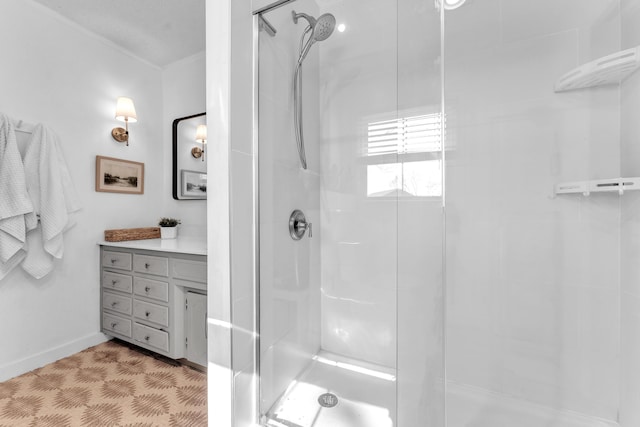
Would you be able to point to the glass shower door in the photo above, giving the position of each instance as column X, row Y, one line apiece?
column 351, row 313
column 289, row 269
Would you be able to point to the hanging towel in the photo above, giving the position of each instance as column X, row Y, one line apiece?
column 54, row 200
column 15, row 201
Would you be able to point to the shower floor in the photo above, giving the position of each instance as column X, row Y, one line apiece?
column 366, row 396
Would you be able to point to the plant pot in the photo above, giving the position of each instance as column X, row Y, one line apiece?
column 168, row 232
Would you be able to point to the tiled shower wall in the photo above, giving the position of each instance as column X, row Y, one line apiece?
column 630, row 228
column 532, row 280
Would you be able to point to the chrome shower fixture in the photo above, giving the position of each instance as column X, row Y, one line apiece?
column 320, row 29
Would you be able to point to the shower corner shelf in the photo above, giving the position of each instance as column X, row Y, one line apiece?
column 610, row 69
column 618, row 185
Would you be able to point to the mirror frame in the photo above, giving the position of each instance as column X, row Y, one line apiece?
column 176, row 188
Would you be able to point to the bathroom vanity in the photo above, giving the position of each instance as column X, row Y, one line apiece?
column 154, row 295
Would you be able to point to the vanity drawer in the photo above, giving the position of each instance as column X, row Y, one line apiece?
column 158, row 266
column 150, row 336
column 118, row 303
column 116, row 324
column 119, row 260
column 151, row 289
column 185, row 269
column 118, row 282
column 151, row 312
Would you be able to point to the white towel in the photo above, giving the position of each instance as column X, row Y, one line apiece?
column 54, row 198
column 14, row 199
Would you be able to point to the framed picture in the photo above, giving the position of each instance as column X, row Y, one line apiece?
column 194, row 184
column 119, row 176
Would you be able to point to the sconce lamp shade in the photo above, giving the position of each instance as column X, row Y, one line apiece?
column 125, row 111
column 201, row 134
column 201, row 137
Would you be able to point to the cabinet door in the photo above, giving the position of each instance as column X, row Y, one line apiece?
column 196, row 325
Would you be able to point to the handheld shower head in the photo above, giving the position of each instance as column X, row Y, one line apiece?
column 321, row 29
column 318, row 30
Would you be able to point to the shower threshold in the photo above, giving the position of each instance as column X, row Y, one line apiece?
column 335, row 391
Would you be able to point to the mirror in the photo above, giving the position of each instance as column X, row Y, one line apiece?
column 189, row 159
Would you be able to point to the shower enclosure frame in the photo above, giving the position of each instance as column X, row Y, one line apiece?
column 257, row 28
column 257, row 17
column 250, row 22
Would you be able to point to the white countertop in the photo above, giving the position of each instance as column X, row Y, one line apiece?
column 182, row 245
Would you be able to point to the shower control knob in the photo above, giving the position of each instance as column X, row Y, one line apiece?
column 302, row 226
column 298, row 225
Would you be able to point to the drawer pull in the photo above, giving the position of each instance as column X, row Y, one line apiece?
column 113, row 325
column 147, row 314
column 146, row 265
column 113, row 260
column 147, row 289
column 147, row 338
column 114, row 282
column 113, row 304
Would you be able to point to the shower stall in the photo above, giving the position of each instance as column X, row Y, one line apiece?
column 445, row 221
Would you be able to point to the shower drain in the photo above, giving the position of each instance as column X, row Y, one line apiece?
column 328, row 400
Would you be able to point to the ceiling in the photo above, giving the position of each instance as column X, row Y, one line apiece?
column 158, row 31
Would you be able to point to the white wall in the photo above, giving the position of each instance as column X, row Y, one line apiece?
column 232, row 392
column 532, row 281
column 57, row 74
column 243, row 238
column 184, row 94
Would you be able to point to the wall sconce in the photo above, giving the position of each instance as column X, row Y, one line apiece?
column 201, row 137
column 125, row 112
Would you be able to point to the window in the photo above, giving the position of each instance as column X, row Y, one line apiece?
column 404, row 157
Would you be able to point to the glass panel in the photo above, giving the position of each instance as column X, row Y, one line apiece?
column 290, row 299
column 420, row 217
column 355, row 310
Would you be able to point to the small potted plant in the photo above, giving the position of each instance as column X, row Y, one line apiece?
column 168, row 228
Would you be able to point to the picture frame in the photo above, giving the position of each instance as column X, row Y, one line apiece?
column 119, row 176
column 194, row 184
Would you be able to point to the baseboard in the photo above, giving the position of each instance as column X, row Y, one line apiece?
column 36, row 361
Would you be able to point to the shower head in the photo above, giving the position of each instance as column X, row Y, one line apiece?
column 321, row 29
